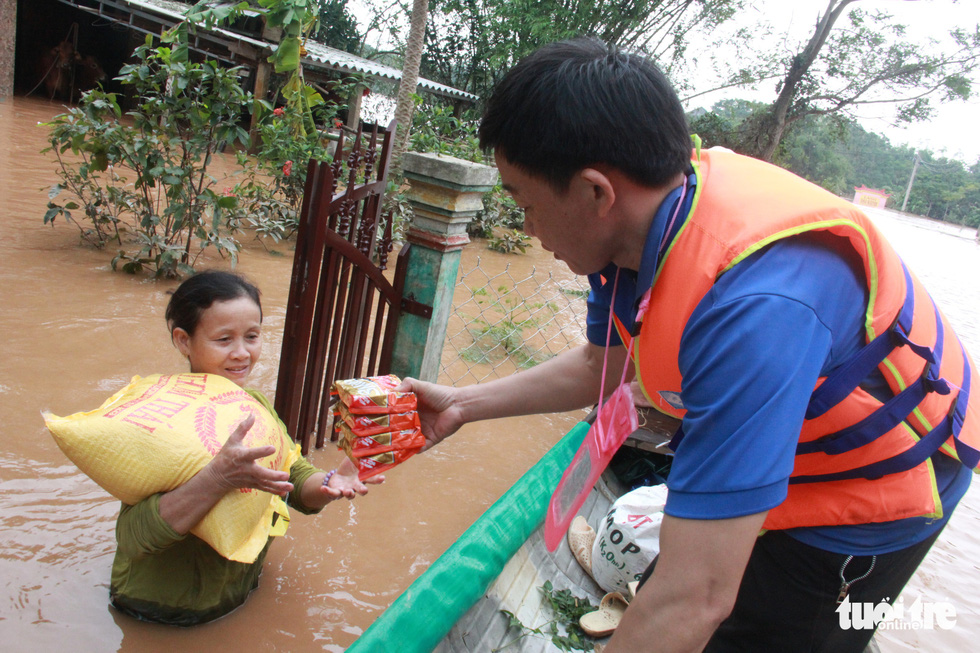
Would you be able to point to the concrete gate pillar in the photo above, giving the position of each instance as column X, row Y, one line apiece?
column 446, row 193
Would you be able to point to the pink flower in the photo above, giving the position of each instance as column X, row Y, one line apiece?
column 278, row 111
column 228, row 192
column 287, row 168
column 337, row 124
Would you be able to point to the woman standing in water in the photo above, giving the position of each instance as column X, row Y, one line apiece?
column 162, row 572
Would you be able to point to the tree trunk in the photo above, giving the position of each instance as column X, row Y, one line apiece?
column 405, row 104
column 769, row 129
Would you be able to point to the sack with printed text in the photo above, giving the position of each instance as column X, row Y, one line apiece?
column 628, row 539
column 159, row 431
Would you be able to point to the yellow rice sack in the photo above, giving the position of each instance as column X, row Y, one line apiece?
column 159, row 431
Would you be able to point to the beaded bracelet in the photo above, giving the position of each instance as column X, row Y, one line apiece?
column 327, row 477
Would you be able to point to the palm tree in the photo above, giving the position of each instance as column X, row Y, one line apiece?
column 405, row 104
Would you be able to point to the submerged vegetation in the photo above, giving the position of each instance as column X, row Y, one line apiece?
column 501, row 330
column 141, row 184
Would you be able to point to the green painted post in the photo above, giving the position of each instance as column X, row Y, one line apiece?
column 446, row 193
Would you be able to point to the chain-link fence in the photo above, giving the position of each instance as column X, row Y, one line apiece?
column 505, row 321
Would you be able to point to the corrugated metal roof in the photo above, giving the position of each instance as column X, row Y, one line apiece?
column 318, row 54
column 340, row 60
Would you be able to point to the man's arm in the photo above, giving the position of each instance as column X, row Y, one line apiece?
column 568, row 381
column 692, row 588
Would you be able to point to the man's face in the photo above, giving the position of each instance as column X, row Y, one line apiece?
column 567, row 224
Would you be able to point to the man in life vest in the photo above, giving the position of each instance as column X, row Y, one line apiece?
column 827, row 429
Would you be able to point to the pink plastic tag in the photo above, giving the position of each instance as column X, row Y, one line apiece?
column 615, row 421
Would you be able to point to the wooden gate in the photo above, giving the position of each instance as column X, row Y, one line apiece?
column 342, row 312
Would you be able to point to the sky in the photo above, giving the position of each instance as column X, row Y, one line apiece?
column 953, row 131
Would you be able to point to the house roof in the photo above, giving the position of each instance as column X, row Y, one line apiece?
column 344, row 61
column 166, row 13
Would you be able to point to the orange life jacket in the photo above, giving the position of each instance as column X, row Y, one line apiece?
column 857, row 459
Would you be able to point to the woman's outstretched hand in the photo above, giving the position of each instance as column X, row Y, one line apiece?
column 343, row 483
column 438, row 409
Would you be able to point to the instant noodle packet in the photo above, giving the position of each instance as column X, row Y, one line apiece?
column 364, row 425
column 374, row 395
column 358, row 447
column 369, row 466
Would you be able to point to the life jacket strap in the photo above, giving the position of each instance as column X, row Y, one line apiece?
column 884, row 419
column 848, row 376
column 896, row 409
column 967, row 454
column 921, row 450
column 677, row 439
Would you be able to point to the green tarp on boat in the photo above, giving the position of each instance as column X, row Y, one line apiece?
column 461, row 575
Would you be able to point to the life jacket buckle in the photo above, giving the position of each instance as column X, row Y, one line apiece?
column 935, row 384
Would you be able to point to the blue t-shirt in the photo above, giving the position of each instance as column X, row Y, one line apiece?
column 750, row 357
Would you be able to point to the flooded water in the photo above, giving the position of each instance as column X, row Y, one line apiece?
column 73, row 333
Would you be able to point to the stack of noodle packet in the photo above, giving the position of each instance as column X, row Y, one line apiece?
column 375, row 426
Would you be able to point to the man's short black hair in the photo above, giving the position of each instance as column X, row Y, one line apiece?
column 578, row 103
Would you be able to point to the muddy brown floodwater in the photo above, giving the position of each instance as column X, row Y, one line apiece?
column 73, row 333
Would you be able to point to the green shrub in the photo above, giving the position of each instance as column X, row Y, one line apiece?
column 509, row 242
column 142, row 183
column 435, row 129
column 271, row 194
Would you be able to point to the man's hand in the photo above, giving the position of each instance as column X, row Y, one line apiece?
column 437, row 407
column 568, row 381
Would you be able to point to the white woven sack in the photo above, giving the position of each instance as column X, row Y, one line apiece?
column 628, row 539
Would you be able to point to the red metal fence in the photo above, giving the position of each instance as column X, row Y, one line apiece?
column 342, row 312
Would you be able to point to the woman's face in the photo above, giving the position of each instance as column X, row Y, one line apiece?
column 227, row 340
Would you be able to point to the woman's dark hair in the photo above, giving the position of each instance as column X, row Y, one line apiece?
column 195, row 295
column 581, row 102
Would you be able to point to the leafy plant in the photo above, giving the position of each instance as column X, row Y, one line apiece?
column 499, row 210
column 399, row 208
column 481, row 226
column 271, row 195
column 436, row 129
column 576, row 293
column 296, row 19
column 509, row 242
column 143, row 183
column 563, row 630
